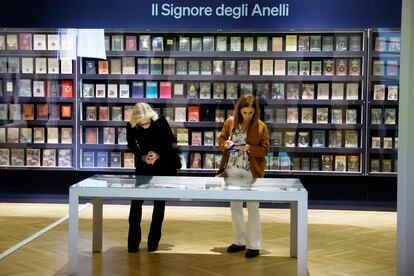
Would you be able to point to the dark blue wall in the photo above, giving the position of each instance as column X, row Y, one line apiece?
column 321, row 14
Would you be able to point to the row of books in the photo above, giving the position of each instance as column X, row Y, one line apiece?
column 37, row 42
column 379, row 92
column 310, row 115
column 228, row 90
column 387, row 43
column 27, row 135
column 40, row 111
column 327, row 162
column 251, row 67
column 105, row 135
column 36, row 88
column 301, row 139
column 386, row 116
column 383, row 165
column 36, row 157
column 38, row 65
column 385, row 67
column 105, row 159
column 378, row 142
column 234, row 42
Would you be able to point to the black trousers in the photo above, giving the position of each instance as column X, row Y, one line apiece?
column 135, row 216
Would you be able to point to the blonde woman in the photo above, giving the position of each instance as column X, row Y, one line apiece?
column 249, row 144
column 151, row 140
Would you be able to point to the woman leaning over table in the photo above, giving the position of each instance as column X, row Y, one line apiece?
column 252, row 136
column 151, row 140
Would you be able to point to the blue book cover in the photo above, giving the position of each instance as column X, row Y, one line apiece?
column 137, row 89
column 152, row 89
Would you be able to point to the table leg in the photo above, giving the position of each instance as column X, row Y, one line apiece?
column 97, row 225
column 302, row 237
column 73, row 233
column 294, row 229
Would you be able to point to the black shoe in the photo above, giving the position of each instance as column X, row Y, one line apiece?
column 152, row 248
column 133, row 249
column 233, row 248
column 251, row 253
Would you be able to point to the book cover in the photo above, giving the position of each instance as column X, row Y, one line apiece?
column 169, row 66
column 124, row 90
column 208, row 161
column 336, row 116
column 192, row 90
column 378, row 68
column 117, row 43
column 277, row 91
column 178, row 90
column 303, row 139
column 65, row 157
column 143, row 66
column 248, row 44
column 33, row 157
column 145, row 43
column 40, row 65
column 315, row 163
column 4, row 157
column 25, row 41
column 351, row 116
column 13, row 65
column 316, row 68
column 180, row 114
column 375, row 165
column 292, row 92
column 292, row 115
column 322, row 115
column 24, row 87
column 291, row 43
column 353, row 163
column 53, row 42
column 304, row 68
column 379, row 92
column 290, row 139
column 337, row 91
column 129, row 160
column 323, row 91
column 15, row 111
column 196, row 138
column 116, row 65
column 156, row 66
column 341, row 42
column 53, row 66
column 242, row 67
column 335, row 139
column 230, row 67
column 66, row 135
column 392, row 67
column 11, row 42
column 196, row 44
column 217, row 67
column 182, row 137
column 292, row 68
column 130, row 43
column 90, row 67
column 116, row 113
column 208, row 139
column 52, row 135
column 195, row 160
column 392, row 93
column 103, row 113
column 262, row 44
column 113, row 90
column 128, row 65
column 4, row 111
column 90, row 113
column 13, row 135
column 276, row 138
column 65, row 66
column 387, row 142
column 268, row 115
column 91, row 135
column 318, row 138
column 208, row 43
column 28, row 112
column 340, row 163
column 39, row 42
column 390, row 116
column 376, row 116
column 39, row 135
column 351, row 138
column 280, row 67
column 307, row 115
column 25, row 64
column 67, row 89
column 137, row 89
column 341, row 67
column 394, row 44
column 218, row 90
column 103, row 67
column 88, row 159
column 101, row 159
column 308, row 91
column 184, row 43
column 267, row 67
column 352, row 91
column 205, row 90
column 303, row 43
column 109, row 135
column 315, row 43
column 355, row 43
column 375, row 142
column 221, row 43
column 151, row 91
column 327, row 163
column 17, row 157
column 168, row 113
column 220, row 115
column 25, row 136
column 328, row 67
column 277, row 43
column 206, row 67
column 193, row 113
column 235, row 43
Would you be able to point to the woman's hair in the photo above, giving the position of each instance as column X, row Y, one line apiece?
column 141, row 113
column 247, row 100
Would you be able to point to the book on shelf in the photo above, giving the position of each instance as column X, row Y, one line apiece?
column 337, row 91
column 90, row 67
column 303, row 43
column 262, row 44
column 157, row 43
column 26, row 63
column 90, row 113
column 103, row 67
column 53, row 42
column 292, row 68
column 248, row 44
column 315, row 164
column 280, row 67
column 341, row 67
column 66, row 111
column 65, row 157
column 205, row 90
column 130, row 43
column 336, row 116
column 67, row 89
column 102, row 159
column 387, row 142
column 221, row 43
column 24, row 87
column 52, row 135
column 129, row 160
column 91, row 135
column 151, row 91
column 268, row 115
column 323, row 91
column 182, row 136
column 39, row 42
column 277, row 91
column 392, row 67
column 296, row 163
column 208, row 161
column 308, row 91
column 38, row 135
column 378, row 68
column 208, row 138
column 318, row 138
column 230, row 67
column 195, row 160
column 351, row 138
column 169, row 66
column 121, row 136
column 88, row 159
column 15, row 112
column 113, row 90
column 217, row 67
column 184, row 160
column 196, row 44
column 274, row 163
column 53, row 89
column 208, row 43
column 128, row 109
column 375, row 165
column 390, row 116
column 13, row 65
column 168, row 113
column 49, row 158
column 352, row 91
column 392, row 93
column 193, row 113
column 207, row 113
column 290, row 139
column 137, row 89
column 341, row 43
column 380, row 44
column 117, row 43
column 4, row 111
column 28, row 112
column 351, row 116
column 25, row 41
column 178, row 90
column 379, row 92
column 65, row 66
column 292, row 92
column 220, row 115
column 277, row 44
column 192, row 90
column 41, row 111
column 340, row 163
column 316, row 68
column 52, row 66
column 116, row 113
column 376, row 116
column 328, row 67
column 116, row 66
column 386, row 165
column 13, row 135
column 66, row 135
column 11, row 42
column 280, row 115
column 307, row 115
column 394, row 44
column 375, row 142
column 143, row 66
column 327, row 162
column 322, row 115
column 33, row 157
column 25, row 136
column 355, row 43
column 181, row 67
column 40, row 66
column 335, row 139
column 304, row 68
column 100, row 90
column 17, row 157
column 235, row 43
column 180, row 114
column 315, row 43
column 218, row 90
column 292, row 115
column 267, row 67
column 284, row 163
column 353, row 163
column 206, row 67
column 103, row 113
column 196, row 138
column 262, row 91
column 88, row 90
column 291, row 43
column 165, row 90
column 144, row 42
column 156, row 66
column 184, row 43
column 276, row 138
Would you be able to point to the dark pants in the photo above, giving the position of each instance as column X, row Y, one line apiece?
column 135, row 215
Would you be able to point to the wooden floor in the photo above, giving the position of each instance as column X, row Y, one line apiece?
column 194, row 243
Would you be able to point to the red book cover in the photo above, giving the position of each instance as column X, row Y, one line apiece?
column 28, row 111
column 131, row 43
column 41, row 112
column 103, row 67
column 103, row 113
column 66, row 112
column 91, row 135
column 25, row 41
column 67, row 89
column 194, row 114
column 165, row 90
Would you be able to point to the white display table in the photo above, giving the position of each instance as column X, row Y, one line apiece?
column 189, row 188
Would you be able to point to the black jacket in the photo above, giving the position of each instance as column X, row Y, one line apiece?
column 157, row 137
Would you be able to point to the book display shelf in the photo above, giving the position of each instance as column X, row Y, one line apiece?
column 37, row 101
column 382, row 124
column 315, row 89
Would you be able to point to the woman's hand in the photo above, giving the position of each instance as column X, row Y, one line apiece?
column 152, row 157
column 228, row 144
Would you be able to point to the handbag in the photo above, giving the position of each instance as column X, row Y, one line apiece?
column 225, row 157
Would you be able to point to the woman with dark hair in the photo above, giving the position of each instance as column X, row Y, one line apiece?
column 151, row 140
column 248, row 138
